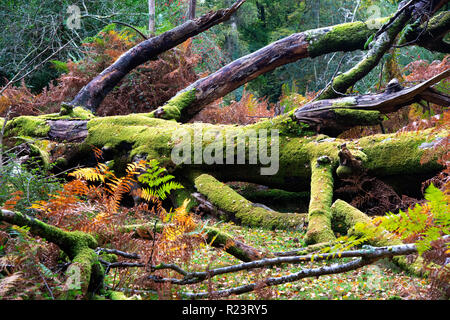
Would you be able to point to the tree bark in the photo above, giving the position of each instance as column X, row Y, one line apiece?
column 302, row 45
column 308, row 44
column 151, row 18
column 94, row 92
column 324, row 115
column 192, row 9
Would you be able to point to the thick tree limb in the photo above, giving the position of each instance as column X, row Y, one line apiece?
column 94, row 92
column 431, row 35
column 344, row 37
column 213, row 237
column 319, row 213
column 334, row 116
column 380, row 45
column 236, row 208
column 85, row 272
column 189, row 101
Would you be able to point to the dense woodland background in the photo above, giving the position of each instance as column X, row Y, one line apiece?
column 50, row 63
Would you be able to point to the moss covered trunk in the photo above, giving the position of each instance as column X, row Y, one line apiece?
column 208, row 155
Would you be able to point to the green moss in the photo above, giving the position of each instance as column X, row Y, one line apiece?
column 285, row 124
column 358, row 117
column 109, row 257
column 344, row 171
column 319, row 215
column 78, row 246
column 345, row 216
column 399, row 154
column 379, row 47
column 27, row 126
column 116, row 295
column 61, row 162
column 220, row 239
column 67, row 111
column 332, row 39
column 271, row 195
column 317, row 149
column 139, row 132
column 173, row 109
column 242, row 210
column 180, row 195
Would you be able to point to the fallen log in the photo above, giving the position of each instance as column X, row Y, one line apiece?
column 308, row 44
column 91, row 95
column 334, row 116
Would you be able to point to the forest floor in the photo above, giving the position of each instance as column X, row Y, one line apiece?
column 381, row 281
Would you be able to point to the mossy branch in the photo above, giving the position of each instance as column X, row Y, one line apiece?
column 238, row 209
column 213, row 237
column 379, row 46
column 319, row 215
column 85, row 274
column 348, row 216
column 364, row 257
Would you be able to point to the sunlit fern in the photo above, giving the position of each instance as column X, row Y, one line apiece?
column 157, row 182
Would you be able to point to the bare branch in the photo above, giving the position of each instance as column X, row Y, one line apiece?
column 366, row 256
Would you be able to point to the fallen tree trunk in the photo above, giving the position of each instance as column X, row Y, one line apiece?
column 303, row 160
column 95, row 91
column 311, row 43
column 334, row 116
column 346, row 37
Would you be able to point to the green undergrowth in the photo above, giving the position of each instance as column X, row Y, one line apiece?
column 380, row 281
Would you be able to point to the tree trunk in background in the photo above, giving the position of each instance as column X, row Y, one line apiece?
column 151, row 18
column 192, row 9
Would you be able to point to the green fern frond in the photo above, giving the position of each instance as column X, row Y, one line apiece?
column 157, row 182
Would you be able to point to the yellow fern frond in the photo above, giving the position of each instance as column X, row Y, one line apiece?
column 89, row 174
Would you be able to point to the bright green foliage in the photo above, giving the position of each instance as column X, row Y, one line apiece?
column 421, row 225
column 30, row 183
column 158, row 183
column 425, row 223
column 341, row 244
